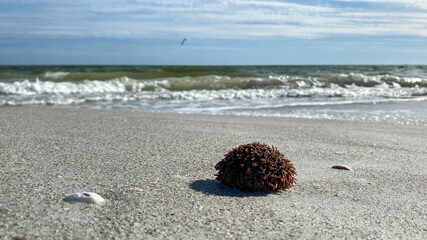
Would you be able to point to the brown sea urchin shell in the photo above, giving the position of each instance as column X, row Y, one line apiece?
column 256, row 167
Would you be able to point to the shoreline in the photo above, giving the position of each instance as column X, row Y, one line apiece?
column 50, row 152
column 223, row 114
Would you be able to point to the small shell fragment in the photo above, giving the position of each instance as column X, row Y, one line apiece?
column 84, row 198
column 342, row 167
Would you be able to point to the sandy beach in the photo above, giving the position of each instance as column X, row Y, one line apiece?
column 47, row 153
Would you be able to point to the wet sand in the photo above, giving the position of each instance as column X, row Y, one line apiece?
column 47, row 153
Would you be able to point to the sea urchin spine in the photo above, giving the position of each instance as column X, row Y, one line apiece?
column 256, row 167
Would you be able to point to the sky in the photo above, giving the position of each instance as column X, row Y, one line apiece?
column 218, row 32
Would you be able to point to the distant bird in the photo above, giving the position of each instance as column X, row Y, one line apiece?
column 183, row 40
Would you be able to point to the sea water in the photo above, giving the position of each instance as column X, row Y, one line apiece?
column 372, row 93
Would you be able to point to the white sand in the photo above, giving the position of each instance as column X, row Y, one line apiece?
column 47, row 153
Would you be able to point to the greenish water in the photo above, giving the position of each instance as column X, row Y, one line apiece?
column 395, row 94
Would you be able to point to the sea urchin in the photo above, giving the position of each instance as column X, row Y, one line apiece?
column 256, row 167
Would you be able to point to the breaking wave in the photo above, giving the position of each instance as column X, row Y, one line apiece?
column 208, row 88
column 339, row 92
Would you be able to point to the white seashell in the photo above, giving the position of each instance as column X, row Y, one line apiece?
column 342, row 167
column 84, row 198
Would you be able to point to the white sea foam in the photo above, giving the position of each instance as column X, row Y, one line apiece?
column 125, row 88
column 56, row 75
column 310, row 98
column 27, row 87
column 384, row 93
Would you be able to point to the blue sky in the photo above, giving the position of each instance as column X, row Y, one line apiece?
column 219, row 32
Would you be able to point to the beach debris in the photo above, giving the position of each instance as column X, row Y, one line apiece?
column 342, row 167
column 18, row 238
column 256, row 167
column 137, row 189
column 84, row 198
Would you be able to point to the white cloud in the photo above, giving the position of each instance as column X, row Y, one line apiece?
column 410, row 3
column 216, row 19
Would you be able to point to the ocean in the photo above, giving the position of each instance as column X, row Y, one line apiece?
column 371, row 93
